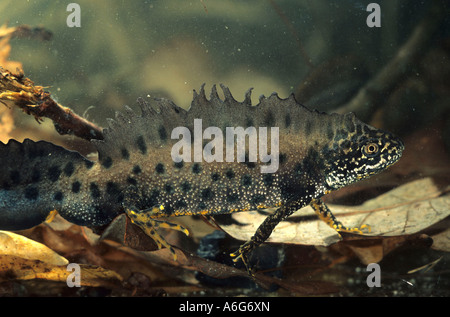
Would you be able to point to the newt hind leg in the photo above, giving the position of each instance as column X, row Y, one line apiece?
column 326, row 215
column 145, row 220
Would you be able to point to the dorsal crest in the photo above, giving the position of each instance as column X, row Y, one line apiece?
column 159, row 117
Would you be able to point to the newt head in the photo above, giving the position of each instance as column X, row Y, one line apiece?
column 360, row 153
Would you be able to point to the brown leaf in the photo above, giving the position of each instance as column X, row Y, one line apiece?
column 24, row 259
column 81, row 245
column 19, row 246
column 374, row 249
column 13, row 267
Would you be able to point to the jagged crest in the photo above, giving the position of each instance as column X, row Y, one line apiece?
column 160, row 116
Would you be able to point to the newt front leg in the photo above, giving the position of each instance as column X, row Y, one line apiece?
column 264, row 231
column 325, row 214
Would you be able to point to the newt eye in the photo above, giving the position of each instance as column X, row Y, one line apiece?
column 370, row 149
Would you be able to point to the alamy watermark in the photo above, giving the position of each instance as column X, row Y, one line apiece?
column 74, row 18
column 374, row 18
column 74, row 278
column 374, row 278
column 235, row 143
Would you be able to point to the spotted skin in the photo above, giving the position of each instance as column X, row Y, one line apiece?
column 135, row 173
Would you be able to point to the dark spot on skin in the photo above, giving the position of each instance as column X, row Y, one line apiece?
column 140, row 142
column 58, row 196
column 305, row 191
column 31, row 193
column 312, row 162
column 229, row 174
column 95, row 191
column 35, row 176
column 76, row 187
column 246, row 180
column 107, row 162
column 257, row 199
column 283, row 158
column 162, row 133
column 159, row 168
column 185, row 187
column 179, row 164
column 53, row 173
column 113, row 190
column 287, row 120
column 233, row 198
column 132, row 181
column 269, row 119
column 268, row 180
column 168, row 210
column 298, row 168
column 288, row 191
column 249, row 122
column 169, row 189
column 88, row 164
column 202, row 206
column 150, row 200
column 207, row 194
column 215, row 177
column 196, row 168
column 69, row 169
column 125, row 154
column 137, row 169
column 180, row 204
column 296, row 191
column 15, row 177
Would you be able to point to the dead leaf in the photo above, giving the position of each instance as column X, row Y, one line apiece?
column 20, row 246
column 83, row 246
column 24, row 259
column 14, row 267
column 374, row 249
column 405, row 210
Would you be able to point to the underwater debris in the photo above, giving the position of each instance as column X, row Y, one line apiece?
column 36, row 101
column 25, row 31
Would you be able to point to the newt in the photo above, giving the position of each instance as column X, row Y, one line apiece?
column 137, row 174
